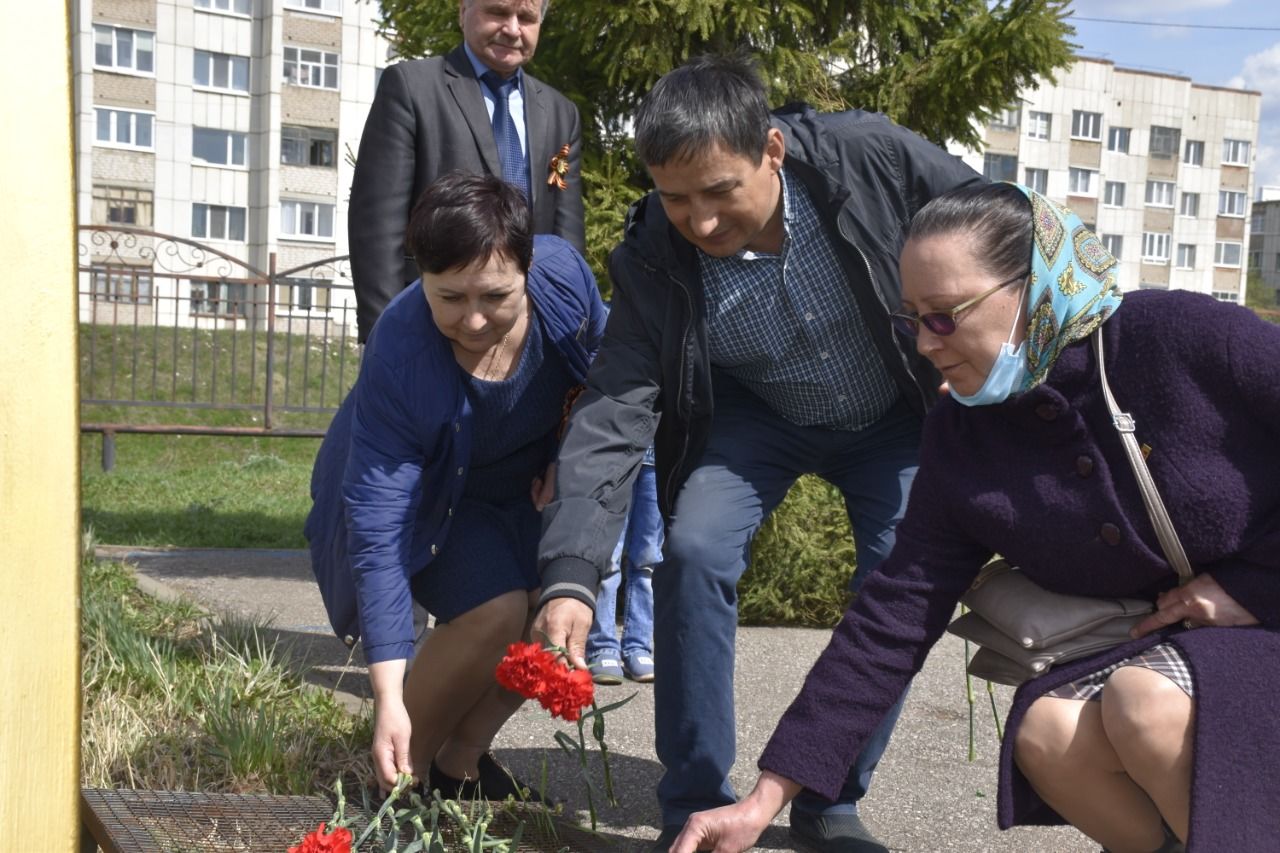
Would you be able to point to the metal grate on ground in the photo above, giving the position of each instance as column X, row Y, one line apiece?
column 130, row 821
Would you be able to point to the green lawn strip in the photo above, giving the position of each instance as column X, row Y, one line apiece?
column 197, row 491
column 225, row 366
column 176, row 700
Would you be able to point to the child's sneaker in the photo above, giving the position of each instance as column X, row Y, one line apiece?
column 639, row 666
column 606, row 670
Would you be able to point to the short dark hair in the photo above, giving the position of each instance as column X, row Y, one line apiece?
column 463, row 219
column 996, row 216
column 707, row 100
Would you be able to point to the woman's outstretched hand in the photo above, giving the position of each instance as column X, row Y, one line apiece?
column 391, row 725
column 732, row 829
column 1200, row 602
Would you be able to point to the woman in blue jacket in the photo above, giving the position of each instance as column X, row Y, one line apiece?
column 429, row 482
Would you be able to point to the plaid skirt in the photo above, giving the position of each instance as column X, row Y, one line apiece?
column 1164, row 659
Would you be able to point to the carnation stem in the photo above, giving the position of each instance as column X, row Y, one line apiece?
column 402, row 781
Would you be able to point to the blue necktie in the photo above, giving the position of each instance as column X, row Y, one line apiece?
column 504, row 132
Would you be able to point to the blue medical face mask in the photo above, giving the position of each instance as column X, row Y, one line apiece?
column 1007, row 373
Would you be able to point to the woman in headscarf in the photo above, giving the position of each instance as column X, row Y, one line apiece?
column 1171, row 738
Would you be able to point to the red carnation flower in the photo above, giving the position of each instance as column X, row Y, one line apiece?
column 338, row 841
column 535, row 673
column 527, row 669
column 569, row 694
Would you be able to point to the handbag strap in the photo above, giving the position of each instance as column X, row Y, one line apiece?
column 1125, row 425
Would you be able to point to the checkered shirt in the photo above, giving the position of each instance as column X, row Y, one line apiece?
column 787, row 326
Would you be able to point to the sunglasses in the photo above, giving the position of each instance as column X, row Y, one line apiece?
column 942, row 323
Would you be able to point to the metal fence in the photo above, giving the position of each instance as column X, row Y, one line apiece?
column 176, row 330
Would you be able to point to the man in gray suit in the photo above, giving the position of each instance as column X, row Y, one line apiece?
column 474, row 110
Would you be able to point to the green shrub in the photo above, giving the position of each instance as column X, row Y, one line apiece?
column 801, row 561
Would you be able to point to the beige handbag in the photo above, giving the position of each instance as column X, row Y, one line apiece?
column 1024, row 629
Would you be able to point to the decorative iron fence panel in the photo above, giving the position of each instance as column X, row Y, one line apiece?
column 168, row 324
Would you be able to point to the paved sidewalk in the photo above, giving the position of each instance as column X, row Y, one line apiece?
column 926, row 796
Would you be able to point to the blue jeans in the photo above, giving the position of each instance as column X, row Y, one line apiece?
column 752, row 458
column 640, row 548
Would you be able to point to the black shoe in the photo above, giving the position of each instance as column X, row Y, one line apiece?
column 667, row 837
column 495, row 782
column 835, row 833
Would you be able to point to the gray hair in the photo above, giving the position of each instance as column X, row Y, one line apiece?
column 708, row 100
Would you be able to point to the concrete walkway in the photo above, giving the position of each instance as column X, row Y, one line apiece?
column 926, row 796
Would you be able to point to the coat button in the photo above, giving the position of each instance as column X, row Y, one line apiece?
column 1047, row 411
column 459, row 470
column 451, row 512
column 1110, row 534
column 349, row 640
column 457, row 427
column 1084, row 466
column 435, row 550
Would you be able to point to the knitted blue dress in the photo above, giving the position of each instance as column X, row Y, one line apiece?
column 492, row 544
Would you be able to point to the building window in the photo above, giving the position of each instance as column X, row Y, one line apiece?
column 1114, row 244
column 1278, row 263
column 1193, row 152
column 1255, row 260
column 1000, row 167
column 1190, row 205
column 1118, row 139
column 221, row 71
column 1164, row 142
column 1155, row 248
column 307, row 294
column 306, row 219
column 1235, row 152
column 216, row 222
column 123, row 48
column 1086, row 125
column 1225, row 296
column 219, row 147
column 239, row 7
column 125, row 128
column 334, row 6
column 1227, row 254
column 1081, row 181
column 122, row 206
column 1039, row 124
column 220, row 298
column 1113, row 194
column 1160, row 193
column 1256, row 221
column 1037, row 179
column 121, row 284
column 1231, row 203
column 314, row 68
column 1006, row 119
column 1186, row 256
column 307, row 146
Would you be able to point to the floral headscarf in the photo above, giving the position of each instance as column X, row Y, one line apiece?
column 1073, row 284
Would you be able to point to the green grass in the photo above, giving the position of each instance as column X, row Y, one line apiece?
column 175, row 700
column 198, row 491
column 176, row 369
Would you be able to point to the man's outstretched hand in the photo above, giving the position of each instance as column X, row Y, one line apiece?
column 565, row 622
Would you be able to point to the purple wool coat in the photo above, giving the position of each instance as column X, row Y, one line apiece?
column 1042, row 479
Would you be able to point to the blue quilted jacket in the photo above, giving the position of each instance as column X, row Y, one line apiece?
column 394, row 461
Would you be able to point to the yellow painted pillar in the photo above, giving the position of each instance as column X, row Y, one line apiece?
column 39, row 435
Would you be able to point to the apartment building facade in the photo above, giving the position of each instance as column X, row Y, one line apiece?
column 226, row 122
column 1160, row 166
column 1264, row 244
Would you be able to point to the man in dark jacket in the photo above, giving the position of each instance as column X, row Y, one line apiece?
column 755, row 284
column 473, row 110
